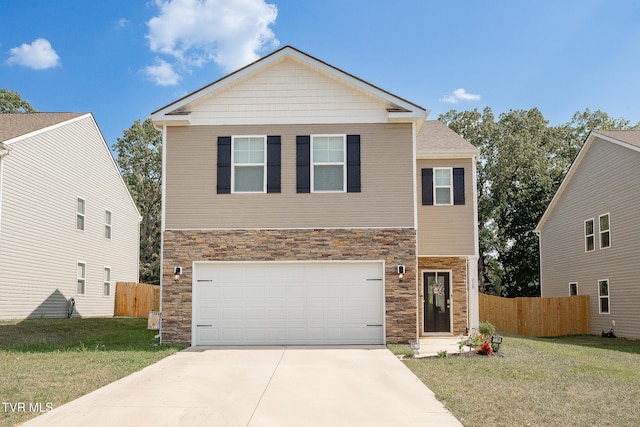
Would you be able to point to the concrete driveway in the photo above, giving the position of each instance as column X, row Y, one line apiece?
column 272, row 386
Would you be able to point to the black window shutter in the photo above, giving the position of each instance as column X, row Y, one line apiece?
column 303, row 163
column 273, row 164
column 353, row 163
column 458, row 186
column 427, row 186
column 224, row 164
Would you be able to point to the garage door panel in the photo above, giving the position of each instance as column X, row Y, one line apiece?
column 231, row 314
column 288, row 303
column 277, row 313
column 254, row 314
column 209, row 313
column 254, row 293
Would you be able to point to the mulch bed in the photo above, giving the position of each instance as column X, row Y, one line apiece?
column 466, row 354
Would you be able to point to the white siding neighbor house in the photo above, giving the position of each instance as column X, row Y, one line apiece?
column 590, row 233
column 69, row 228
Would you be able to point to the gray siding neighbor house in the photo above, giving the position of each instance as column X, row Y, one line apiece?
column 589, row 234
column 68, row 225
column 291, row 212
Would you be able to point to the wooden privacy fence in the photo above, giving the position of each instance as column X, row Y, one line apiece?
column 136, row 299
column 536, row 317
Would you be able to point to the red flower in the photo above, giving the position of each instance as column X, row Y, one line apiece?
column 485, row 348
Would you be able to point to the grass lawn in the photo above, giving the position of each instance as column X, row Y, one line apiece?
column 569, row 381
column 53, row 361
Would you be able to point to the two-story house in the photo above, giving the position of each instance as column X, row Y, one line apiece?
column 589, row 234
column 69, row 228
column 292, row 213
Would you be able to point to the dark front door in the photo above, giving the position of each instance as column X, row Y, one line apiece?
column 437, row 302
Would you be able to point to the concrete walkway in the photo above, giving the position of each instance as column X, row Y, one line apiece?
column 431, row 346
column 274, row 386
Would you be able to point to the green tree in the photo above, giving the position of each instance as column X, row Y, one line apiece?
column 576, row 131
column 12, row 102
column 521, row 164
column 140, row 161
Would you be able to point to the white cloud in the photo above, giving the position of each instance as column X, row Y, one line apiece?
column 162, row 73
column 121, row 23
column 230, row 33
column 38, row 55
column 460, row 95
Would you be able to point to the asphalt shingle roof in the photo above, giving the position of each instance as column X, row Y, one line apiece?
column 13, row 125
column 628, row 136
column 435, row 136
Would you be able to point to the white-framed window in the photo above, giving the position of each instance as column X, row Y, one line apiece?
column 573, row 289
column 107, row 224
column 443, row 186
column 589, row 236
column 605, row 231
column 81, row 273
column 249, row 171
column 80, row 211
column 106, row 290
column 603, row 296
column 329, row 166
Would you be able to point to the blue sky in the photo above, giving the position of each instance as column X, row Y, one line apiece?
column 123, row 59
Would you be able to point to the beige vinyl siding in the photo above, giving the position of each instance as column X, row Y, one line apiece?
column 39, row 243
column 606, row 181
column 446, row 230
column 281, row 91
column 386, row 199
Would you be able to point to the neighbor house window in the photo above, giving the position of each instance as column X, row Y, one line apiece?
column 80, row 208
column 107, row 224
column 107, row 281
column 605, row 233
column 328, row 163
column 81, row 276
column 603, row 295
column 589, row 236
column 573, row 289
column 249, row 169
column 442, row 186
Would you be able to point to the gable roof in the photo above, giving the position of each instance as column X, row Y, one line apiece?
column 631, row 137
column 14, row 125
column 436, row 139
column 399, row 108
column 625, row 138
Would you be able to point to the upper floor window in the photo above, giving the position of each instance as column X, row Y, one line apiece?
column 107, row 224
column 589, row 236
column 442, row 185
column 249, row 168
column 605, row 233
column 80, row 210
column 81, row 275
column 573, row 289
column 107, row 282
column 328, row 163
column 603, row 295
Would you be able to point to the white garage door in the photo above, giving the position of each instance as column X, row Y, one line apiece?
column 267, row 303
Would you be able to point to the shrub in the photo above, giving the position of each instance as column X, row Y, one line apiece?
column 486, row 329
column 442, row 354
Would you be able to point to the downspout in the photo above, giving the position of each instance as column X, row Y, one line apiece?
column 4, row 151
column 162, row 218
column 539, row 234
column 415, row 226
column 474, row 315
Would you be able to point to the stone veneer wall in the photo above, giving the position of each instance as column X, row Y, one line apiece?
column 393, row 245
column 458, row 267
